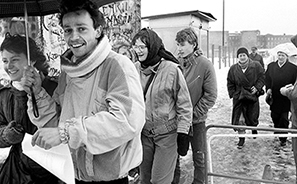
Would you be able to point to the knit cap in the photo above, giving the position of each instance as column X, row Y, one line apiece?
column 242, row 50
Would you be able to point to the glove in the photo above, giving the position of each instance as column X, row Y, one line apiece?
column 13, row 133
column 183, row 143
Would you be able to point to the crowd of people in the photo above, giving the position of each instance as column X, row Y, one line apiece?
column 133, row 110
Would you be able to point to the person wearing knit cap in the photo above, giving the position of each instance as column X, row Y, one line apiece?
column 279, row 74
column 242, row 50
column 244, row 83
column 202, row 84
column 168, row 108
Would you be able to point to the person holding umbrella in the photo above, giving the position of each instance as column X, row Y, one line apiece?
column 98, row 106
column 14, row 121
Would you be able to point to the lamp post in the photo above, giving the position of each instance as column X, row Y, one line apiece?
column 223, row 36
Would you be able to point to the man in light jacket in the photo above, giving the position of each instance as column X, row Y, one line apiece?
column 98, row 106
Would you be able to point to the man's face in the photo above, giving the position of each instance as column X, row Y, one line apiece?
column 79, row 33
column 254, row 50
column 184, row 48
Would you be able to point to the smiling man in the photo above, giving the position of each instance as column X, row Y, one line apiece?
column 98, row 106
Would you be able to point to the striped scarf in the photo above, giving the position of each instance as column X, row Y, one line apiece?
column 88, row 63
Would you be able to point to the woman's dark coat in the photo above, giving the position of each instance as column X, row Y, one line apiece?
column 237, row 81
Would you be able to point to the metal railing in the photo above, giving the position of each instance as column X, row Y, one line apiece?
column 207, row 154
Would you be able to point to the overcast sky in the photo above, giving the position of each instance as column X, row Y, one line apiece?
column 268, row 16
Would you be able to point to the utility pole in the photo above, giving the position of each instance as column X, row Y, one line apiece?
column 223, row 36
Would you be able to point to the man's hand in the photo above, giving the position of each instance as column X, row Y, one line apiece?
column 46, row 138
column 31, row 78
column 254, row 90
column 269, row 92
column 286, row 89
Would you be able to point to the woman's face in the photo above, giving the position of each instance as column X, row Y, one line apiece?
column 282, row 57
column 242, row 58
column 14, row 64
column 140, row 49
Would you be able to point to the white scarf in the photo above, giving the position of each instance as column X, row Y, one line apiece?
column 89, row 63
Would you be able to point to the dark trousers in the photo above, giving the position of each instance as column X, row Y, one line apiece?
column 198, row 149
column 280, row 120
column 119, row 181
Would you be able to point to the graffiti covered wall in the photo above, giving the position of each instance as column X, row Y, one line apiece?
column 123, row 21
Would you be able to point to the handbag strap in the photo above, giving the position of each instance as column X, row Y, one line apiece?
column 150, row 80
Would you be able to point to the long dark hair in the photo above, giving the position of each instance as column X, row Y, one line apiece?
column 17, row 44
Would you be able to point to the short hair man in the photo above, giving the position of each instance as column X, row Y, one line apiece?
column 201, row 80
column 98, row 106
column 255, row 56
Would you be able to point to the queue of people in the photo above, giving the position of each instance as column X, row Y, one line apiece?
column 118, row 116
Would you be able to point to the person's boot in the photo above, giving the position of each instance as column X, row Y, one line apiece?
column 254, row 132
column 240, row 143
column 283, row 141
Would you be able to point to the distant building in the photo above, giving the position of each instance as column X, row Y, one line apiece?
column 167, row 25
column 246, row 38
column 269, row 41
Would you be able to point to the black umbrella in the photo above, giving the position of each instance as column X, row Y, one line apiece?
column 19, row 8
column 15, row 8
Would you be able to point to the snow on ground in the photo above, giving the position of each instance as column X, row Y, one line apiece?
column 249, row 161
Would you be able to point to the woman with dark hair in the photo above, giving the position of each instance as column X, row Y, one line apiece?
column 168, row 108
column 14, row 121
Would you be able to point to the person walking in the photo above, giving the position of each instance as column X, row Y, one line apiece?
column 244, row 82
column 14, row 121
column 98, row 106
column 291, row 92
column 256, row 57
column 168, row 108
column 279, row 74
column 202, row 84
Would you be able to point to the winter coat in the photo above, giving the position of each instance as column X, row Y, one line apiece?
column 277, row 77
column 13, row 105
column 106, row 109
column 202, row 84
column 239, row 85
column 292, row 95
column 257, row 57
column 168, row 103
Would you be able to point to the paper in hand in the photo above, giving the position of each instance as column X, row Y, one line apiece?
column 56, row 160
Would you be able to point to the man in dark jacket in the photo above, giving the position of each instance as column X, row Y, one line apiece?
column 256, row 57
column 201, row 81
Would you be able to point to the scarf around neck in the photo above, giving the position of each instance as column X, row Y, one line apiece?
column 156, row 50
column 88, row 63
column 244, row 66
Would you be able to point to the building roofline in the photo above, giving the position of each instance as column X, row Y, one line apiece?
column 200, row 14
